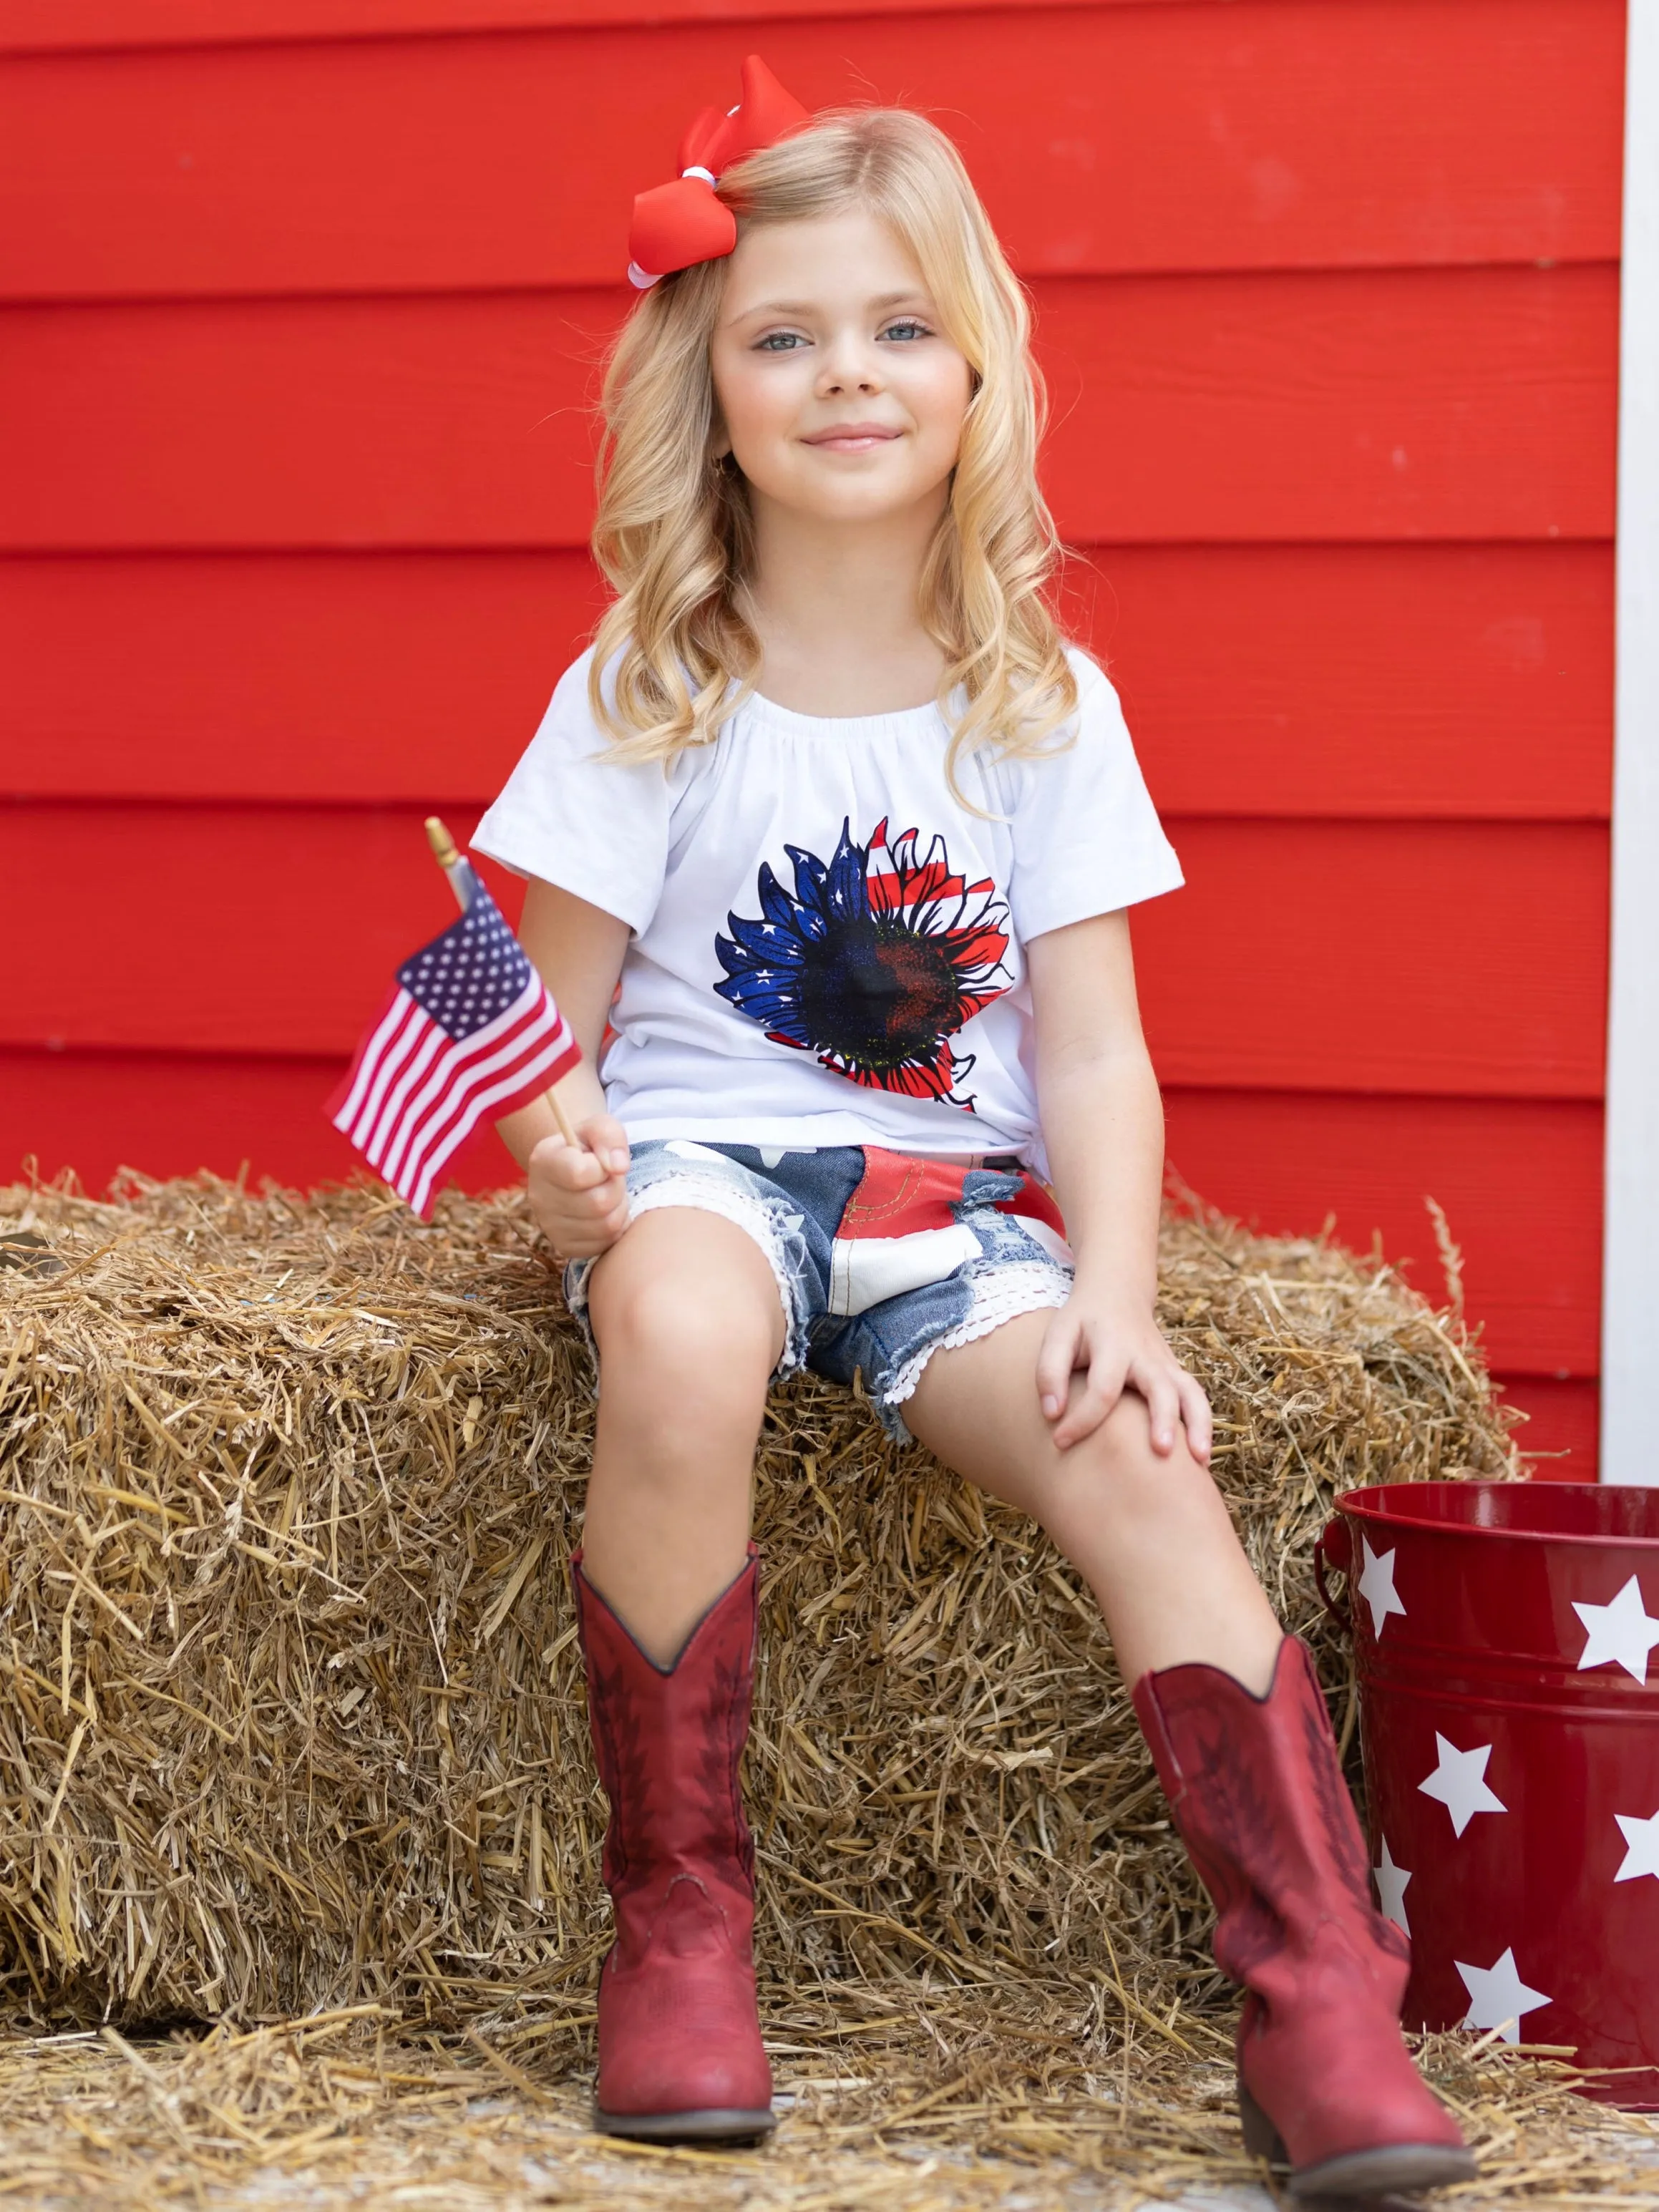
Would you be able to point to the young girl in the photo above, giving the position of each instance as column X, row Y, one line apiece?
column 855, row 830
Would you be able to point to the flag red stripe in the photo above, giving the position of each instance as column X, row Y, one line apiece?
column 426, row 1040
column 560, row 1054
column 395, row 1051
column 342, row 1102
column 424, row 1130
column 450, row 1068
column 526, row 1078
column 438, row 1057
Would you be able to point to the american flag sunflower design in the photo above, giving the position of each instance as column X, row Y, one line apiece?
column 874, row 963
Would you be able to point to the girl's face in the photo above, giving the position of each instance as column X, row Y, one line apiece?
column 826, row 324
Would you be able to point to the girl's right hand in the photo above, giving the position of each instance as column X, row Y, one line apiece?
column 578, row 1192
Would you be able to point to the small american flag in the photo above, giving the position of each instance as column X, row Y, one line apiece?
column 469, row 1030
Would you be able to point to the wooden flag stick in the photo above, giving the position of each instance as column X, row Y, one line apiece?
column 458, row 871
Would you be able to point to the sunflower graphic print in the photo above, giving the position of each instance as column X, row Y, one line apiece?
column 874, row 963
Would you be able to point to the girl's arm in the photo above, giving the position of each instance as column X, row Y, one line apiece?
column 1103, row 1124
column 578, row 1195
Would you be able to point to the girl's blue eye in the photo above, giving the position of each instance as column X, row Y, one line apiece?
column 765, row 345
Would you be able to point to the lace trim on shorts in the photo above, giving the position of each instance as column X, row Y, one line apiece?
column 1001, row 1292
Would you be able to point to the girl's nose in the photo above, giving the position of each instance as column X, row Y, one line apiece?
column 851, row 364
column 863, row 383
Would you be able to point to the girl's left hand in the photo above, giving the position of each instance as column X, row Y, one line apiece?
column 1109, row 1346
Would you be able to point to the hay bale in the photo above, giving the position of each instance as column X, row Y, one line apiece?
column 294, row 1717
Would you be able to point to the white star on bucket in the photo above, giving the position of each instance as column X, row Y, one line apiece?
column 1641, row 1847
column 1377, row 1586
column 1623, row 1631
column 1497, row 1996
column 1460, row 1782
column 1391, row 1888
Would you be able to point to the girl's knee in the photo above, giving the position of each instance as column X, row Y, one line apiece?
column 682, row 1352
column 677, row 1269
column 1116, row 1472
column 1124, row 1440
column 656, row 1327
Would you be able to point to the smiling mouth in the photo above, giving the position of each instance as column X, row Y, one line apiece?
column 854, row 444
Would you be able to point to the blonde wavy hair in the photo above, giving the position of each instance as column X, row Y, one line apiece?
column 673, row 533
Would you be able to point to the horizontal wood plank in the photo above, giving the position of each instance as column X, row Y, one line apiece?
column 1436, row 956
column 417, row 678
column 1433, row 403
column 76, row 25
column 1561, row 1435
column 1257, row 135
column 1286, row 1162
column 98, row 1113
column 1406, row 681
column 1421, row 957
column 1401, row 680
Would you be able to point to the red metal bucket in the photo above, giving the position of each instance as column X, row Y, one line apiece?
column 1507, row 1635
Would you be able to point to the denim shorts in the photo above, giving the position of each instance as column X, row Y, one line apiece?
column 881, row 1259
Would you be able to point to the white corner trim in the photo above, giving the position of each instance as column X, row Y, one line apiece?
column 1630, row 1305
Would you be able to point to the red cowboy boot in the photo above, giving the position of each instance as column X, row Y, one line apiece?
column 680, row 2050
column 1326, row 2083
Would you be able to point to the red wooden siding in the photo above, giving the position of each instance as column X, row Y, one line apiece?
column 284, row 887
column 376, row 677
column 1440, row 403
column 1103, row 139
column 300, row 304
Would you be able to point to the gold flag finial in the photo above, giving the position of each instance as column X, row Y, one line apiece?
column 442, row 844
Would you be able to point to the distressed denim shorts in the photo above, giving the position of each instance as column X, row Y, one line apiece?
column 881, row 1259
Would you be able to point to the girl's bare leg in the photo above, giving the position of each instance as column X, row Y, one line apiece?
column 689, row 1326
column 1244, row 1751
column 1149, row 1534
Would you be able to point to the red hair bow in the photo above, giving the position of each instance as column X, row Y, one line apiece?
column 678, row 223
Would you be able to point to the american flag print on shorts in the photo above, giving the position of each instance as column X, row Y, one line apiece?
column 469, row 1030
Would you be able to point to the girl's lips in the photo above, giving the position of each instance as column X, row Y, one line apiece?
column 853, row 444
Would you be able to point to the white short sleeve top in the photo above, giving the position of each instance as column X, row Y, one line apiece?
column 826, row 947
